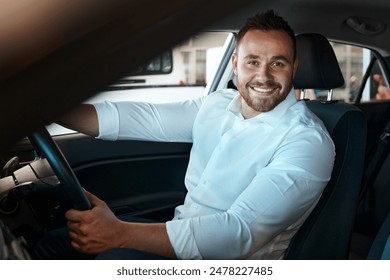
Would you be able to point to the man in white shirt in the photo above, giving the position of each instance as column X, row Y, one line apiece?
column 259, row 162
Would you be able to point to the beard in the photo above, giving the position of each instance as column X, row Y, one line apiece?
column 263, row 103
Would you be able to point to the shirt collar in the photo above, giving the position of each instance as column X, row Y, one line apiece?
column 267, row 117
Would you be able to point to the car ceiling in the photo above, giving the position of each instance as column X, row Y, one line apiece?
column 327, row 17
column 93, row 43
column 84, row 47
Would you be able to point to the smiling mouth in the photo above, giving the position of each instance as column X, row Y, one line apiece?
column 265, row 91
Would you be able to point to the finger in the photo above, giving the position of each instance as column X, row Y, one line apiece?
column 380, row 96
column 378, row 79
column 72, row 225
column 93, row 198
column 75, row 245
column 82, row 248
column 74, row 235
column 79, row 244
column 76, row 242
column 75, row 227
column 74, row 215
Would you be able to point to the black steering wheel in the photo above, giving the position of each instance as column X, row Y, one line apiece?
column 45, row 145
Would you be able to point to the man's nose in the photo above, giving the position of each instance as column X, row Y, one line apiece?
column 263, row 72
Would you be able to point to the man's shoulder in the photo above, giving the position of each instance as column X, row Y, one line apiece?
column 225, row 93
column 306, row 120
column 220, row 98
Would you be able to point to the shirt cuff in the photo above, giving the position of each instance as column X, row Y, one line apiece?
column 180, row 233
column 108, row 118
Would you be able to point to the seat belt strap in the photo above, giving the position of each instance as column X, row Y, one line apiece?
column 380, row 152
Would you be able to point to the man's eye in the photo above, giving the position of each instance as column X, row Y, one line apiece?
column 253, row 62
column 277, row 64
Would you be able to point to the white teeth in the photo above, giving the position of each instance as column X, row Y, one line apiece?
column 265, row 90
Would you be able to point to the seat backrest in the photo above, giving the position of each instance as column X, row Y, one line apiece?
column 374, row 205
column 327, row 231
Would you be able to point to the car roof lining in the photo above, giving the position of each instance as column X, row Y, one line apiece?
column 55, row 83
column 328, row 19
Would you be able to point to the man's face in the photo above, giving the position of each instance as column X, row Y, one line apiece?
column 264, row 66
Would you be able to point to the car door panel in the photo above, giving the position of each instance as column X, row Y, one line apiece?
column 134, row 177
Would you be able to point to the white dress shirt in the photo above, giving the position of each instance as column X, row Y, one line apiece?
column 251, row 182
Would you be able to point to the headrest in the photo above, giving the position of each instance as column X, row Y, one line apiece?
column 318, row 67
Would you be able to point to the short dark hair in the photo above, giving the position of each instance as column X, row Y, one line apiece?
column 267, row 21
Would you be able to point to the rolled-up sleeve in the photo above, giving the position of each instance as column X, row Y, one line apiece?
column 166, row 122
column 108, row 117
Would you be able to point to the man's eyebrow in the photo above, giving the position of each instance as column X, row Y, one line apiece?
column 276, row 57
column 251, row 56
column 281, row 57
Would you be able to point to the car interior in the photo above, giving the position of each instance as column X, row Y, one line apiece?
column 347, row 127
column 43, row 175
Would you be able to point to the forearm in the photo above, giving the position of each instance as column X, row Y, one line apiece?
column 97, row 230
column 151, row 238
column 82, row 119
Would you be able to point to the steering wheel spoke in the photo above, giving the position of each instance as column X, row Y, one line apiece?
column 45, row 146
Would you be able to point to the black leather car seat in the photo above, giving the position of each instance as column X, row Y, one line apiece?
column 327, row 232
column 374, row 204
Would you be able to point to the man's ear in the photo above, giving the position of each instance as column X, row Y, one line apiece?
column 296, row 63
column 234, row 63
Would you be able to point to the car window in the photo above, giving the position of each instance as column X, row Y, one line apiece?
column 354, row 62
column 351, row 61
column 178, row 74
column 175, row 75
column 161, row 64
